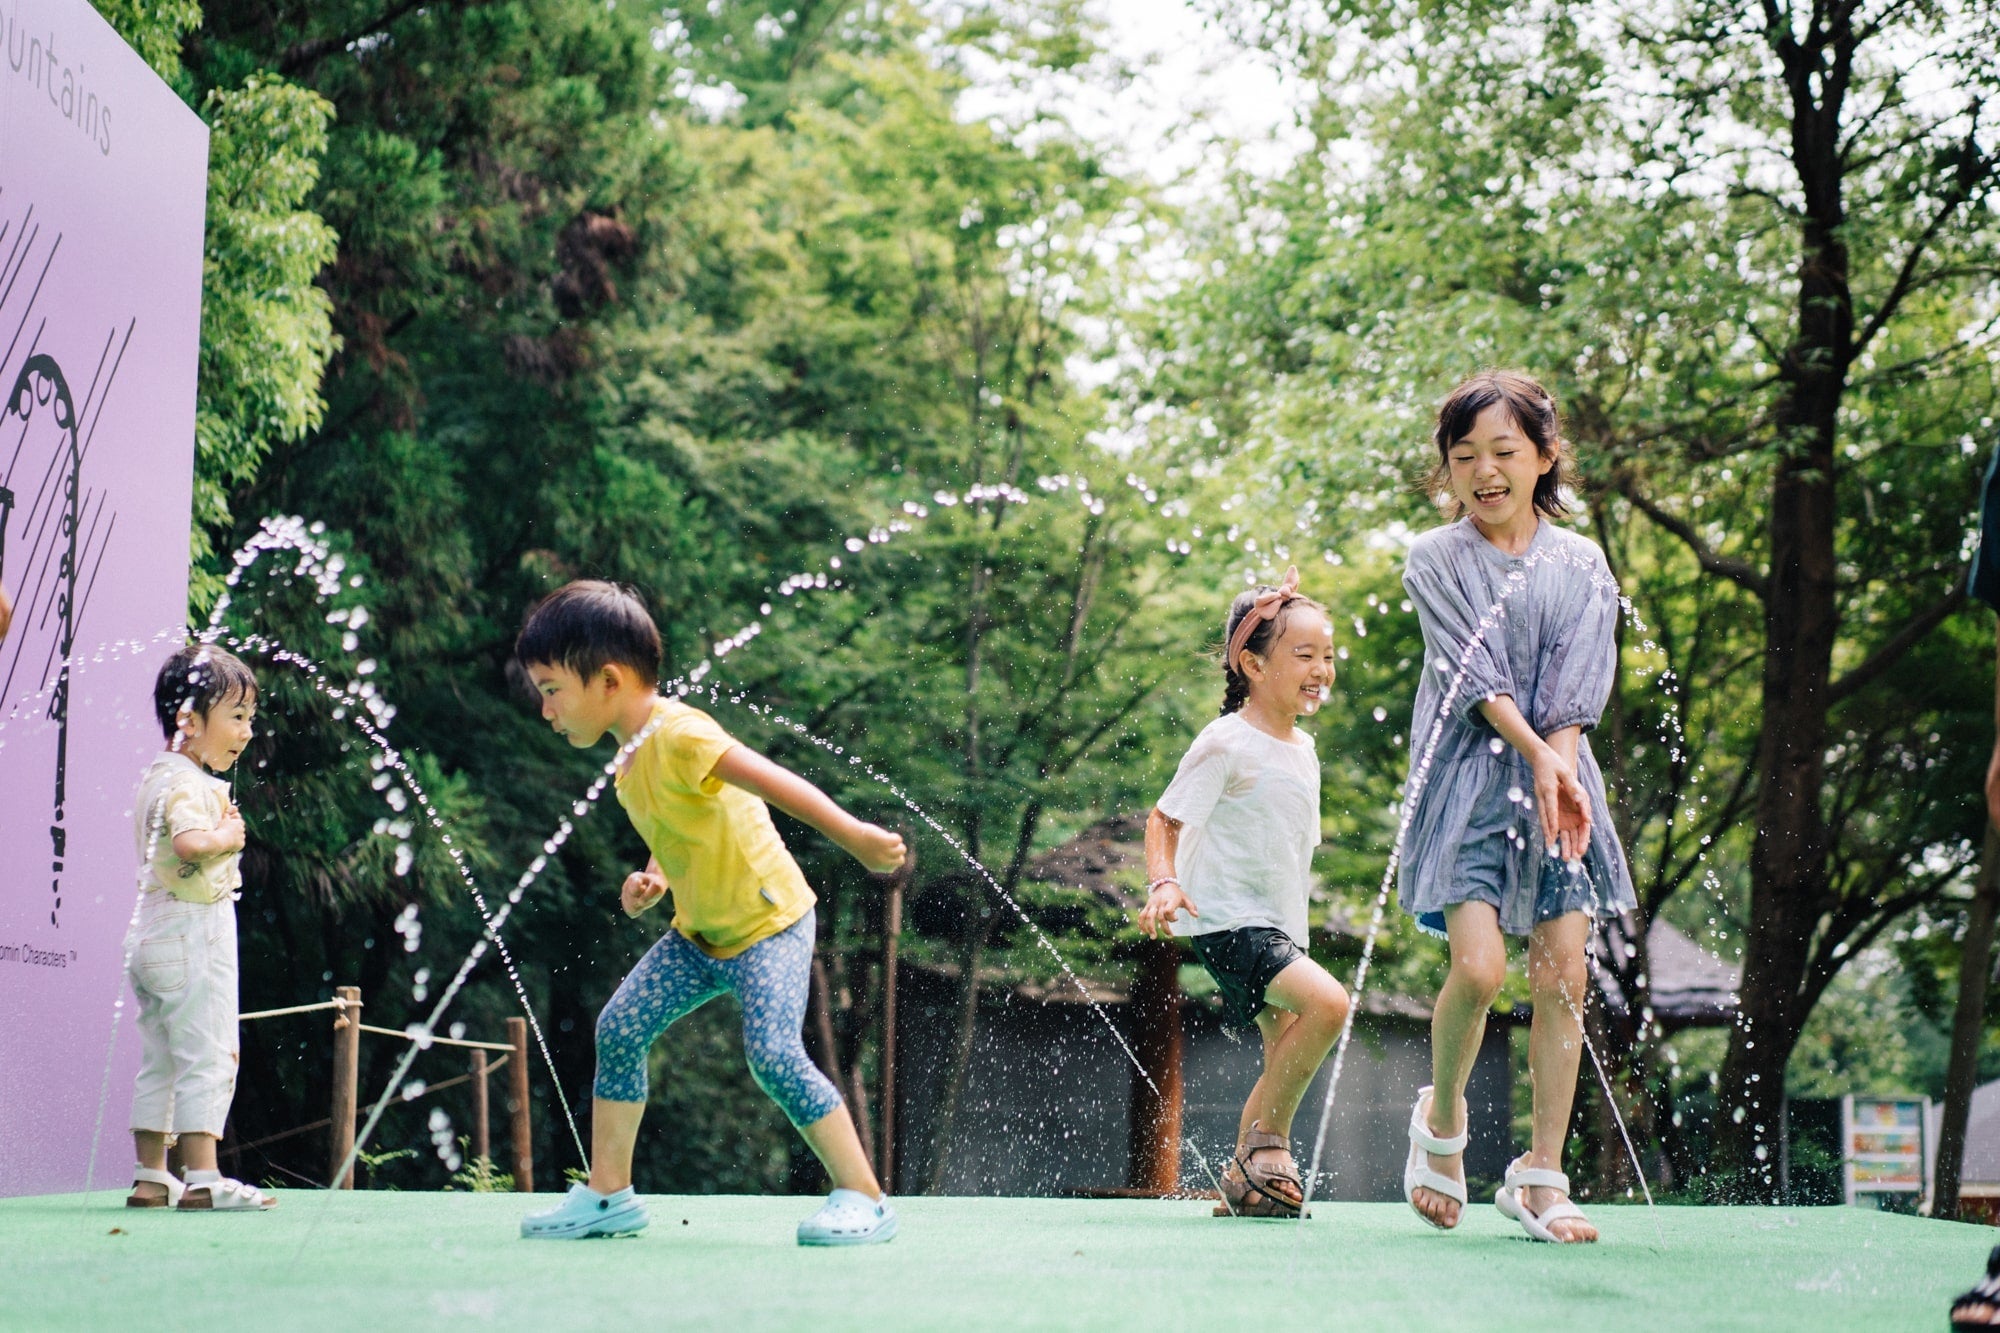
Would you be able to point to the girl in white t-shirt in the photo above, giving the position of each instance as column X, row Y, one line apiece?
column 1231, row 843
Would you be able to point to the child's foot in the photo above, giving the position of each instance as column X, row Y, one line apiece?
column 1262, row 1179
column 849, row 1217
column 1442, row 1210
column 584, row 1213
column 213, row 1192
column 1568, row 1229
column 1538, row 1198
column 1429, row 1173
column 153, row 1189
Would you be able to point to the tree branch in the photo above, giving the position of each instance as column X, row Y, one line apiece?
column 299, row 58
column 1736, row 571
column 1975, row 169
column 1901, row 642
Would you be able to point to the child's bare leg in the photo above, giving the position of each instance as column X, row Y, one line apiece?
column 838, row 1147
column 149, row 1146
column 1307, row 1009
column 1271, row 1026
column 614, row 1129
column 1557, row 974
column 198, row 1152
column 1458, row 1025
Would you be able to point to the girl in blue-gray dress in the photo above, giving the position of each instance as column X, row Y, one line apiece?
column 1506, row 828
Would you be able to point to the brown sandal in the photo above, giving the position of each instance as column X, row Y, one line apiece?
column 1247, row 1185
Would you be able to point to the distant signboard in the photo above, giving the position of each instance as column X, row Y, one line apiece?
column 1882, row 1144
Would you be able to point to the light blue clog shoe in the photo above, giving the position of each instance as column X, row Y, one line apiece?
column 849, row 1217
column 584, row 1213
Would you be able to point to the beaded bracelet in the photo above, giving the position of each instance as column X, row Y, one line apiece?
column 1154, row 887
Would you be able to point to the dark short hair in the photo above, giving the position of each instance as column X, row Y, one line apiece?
column 1534, row 411
column 197, row 678
column 586, row 626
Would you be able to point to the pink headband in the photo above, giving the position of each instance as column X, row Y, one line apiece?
column 1266, row 607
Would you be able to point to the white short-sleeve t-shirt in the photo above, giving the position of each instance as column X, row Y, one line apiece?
column 176, row 797
column 1248, row 806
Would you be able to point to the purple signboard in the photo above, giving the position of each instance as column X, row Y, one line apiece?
column 103, row 180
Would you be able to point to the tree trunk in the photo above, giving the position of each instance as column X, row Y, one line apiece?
column 1789, row 881
column 1975, row 976
column 1789, row 887
column 1153, row 1157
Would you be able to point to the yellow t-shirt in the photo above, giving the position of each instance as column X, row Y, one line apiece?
column 734, row 883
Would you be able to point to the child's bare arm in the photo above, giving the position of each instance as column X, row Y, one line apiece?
column 1164, row 901
column 207, row 844
column 879, row 849
column 1563, row 806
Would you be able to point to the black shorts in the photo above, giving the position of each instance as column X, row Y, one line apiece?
column 1243, row 962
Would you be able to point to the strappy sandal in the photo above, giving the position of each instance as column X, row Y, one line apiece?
column 224, row 1195
column 1246, row 1184
column 146, row 1175
column 1985, row 1295
column 1512, row 1201
column 1417, row 1171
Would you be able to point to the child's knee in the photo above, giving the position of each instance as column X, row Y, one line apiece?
column 771, row 1061
column 1338, row 1003
column 1482, row 972
column 610, row 1023
column 1557, row 981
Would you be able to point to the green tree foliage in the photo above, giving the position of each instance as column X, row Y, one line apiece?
column 1750, row 254
column 265, row 334
column 696, row 301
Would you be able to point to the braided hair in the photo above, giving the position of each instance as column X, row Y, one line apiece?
column 1236, row 685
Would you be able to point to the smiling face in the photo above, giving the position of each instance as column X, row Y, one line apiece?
column 1294, row 676
column 579, row 710
column 1494, row 468
column 217, row 738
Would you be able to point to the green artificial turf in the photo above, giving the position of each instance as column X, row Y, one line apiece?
column 386, row 1260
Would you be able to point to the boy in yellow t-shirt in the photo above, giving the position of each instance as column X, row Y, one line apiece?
column 743, row 913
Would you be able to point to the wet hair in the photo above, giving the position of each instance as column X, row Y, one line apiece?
column 196, row 679
column 1236, row 685
column 588, row 625
column 1533, row 410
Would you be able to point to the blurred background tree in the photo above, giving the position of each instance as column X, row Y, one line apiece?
column 701, row 297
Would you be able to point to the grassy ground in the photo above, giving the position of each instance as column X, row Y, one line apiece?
column 384, row 1260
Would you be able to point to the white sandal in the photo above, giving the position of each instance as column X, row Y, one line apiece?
column 223, row 1195
column 1417, row 1172
column 146, row 1175
column 1512, row 1201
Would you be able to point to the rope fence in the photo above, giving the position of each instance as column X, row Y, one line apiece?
column 346, row 1007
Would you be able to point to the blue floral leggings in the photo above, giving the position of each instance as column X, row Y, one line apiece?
column 769, row 980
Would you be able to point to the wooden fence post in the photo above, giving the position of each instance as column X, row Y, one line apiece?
column 346, row 1085
column 517, row 1106
column 1153, row 1158
column 892, row 934
column 481, row 1144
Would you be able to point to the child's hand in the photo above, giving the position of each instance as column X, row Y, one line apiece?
column 1562, row 804
column 642, row 889
column 1163, row 907
column 878, row 848
column 229, row 834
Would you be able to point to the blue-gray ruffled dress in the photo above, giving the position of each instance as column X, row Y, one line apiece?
column 1540, row 628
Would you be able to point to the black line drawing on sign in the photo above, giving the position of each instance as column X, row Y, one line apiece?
column 64, row 526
